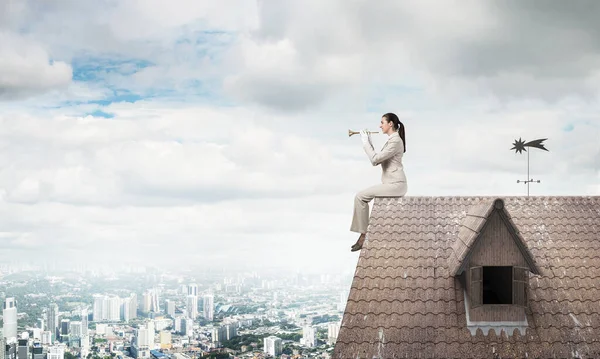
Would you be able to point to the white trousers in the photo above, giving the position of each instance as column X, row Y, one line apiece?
column 360, row 220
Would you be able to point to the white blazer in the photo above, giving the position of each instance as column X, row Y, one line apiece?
column 390, row 159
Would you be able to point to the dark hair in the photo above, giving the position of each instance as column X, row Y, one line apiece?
column 398, row 126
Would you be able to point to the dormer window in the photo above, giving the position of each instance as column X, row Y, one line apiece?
column 493, row 262
column 498, row 285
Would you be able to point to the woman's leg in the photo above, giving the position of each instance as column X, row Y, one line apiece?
column 360, row 218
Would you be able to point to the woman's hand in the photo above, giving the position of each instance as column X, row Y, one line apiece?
column 365, row 136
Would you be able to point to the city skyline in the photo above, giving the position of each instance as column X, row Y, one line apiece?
column 86, row 316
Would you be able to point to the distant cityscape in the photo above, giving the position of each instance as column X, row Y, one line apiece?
column 158, row 314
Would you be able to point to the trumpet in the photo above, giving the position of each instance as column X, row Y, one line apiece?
column 350, row 132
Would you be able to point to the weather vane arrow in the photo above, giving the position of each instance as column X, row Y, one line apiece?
column 519, row 146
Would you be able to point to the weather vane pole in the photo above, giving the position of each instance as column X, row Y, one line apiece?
column 519, row 146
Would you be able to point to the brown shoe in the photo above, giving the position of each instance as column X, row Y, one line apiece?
column 359, row 243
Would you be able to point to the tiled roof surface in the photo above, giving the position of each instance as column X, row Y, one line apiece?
column 405, row 303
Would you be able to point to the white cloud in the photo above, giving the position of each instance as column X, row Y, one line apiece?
column 171, row 39
column 25, row 68
column 151, row 153
column 209, row 179
column 274, row 73
column 140, row 190
column 482, row 48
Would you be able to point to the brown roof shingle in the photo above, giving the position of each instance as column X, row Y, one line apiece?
column 405, row 302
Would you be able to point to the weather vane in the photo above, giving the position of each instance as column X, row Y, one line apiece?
column 519, row 146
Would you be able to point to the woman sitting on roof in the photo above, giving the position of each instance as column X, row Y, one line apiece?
column 393, row 179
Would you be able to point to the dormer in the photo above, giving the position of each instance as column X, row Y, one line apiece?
column 493, row 262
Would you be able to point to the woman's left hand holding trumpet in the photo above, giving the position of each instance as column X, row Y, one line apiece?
column 365, row 136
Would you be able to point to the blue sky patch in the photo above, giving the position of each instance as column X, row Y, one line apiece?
column 91, row 69
column 100, row 113
column 569, row 127
column 111, row 73
column 118, row 96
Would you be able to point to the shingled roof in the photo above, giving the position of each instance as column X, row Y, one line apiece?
column 405, row 300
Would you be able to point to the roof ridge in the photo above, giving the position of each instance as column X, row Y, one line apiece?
column 492, row 196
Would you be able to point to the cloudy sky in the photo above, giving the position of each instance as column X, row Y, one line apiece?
column 216, row 131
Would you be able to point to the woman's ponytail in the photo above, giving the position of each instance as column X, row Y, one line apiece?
column 402, row 134
column 398, row 125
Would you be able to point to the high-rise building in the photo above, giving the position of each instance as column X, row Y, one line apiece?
column 125, row 309
column 99, row 308
column 9, row 315
column 219, row 334
column 65, row 329
column 187, row 326
column 56, row 352
column 133, row 306
column 209, row 307
column 178, row 322
column 65, row 326
column 343, row 300
column 2, row 344
column 113, row 307
column 230, row 330
column 170, row 307
column 52, row 322
column 41, row 324
column 11, row 349
column 37, row 351
column 84, row 342
column 150, row 301
column 143, row 338
column 156, row 301
column 193, row 289
column 151, row 333
column 76, row 329
column 273, row 346
column 309, row 334
column 143, row 341
column 165, row 339
column 84, row 322
column 333, row 329
column 107, row 308
column 47, row 338
column 23, row 349
column 192, row 306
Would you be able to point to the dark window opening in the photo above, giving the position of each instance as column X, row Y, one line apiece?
column 497, row 285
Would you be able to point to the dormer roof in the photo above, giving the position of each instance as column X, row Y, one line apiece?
column 471, row 227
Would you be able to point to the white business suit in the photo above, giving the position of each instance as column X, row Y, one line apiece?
column 393, row 180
